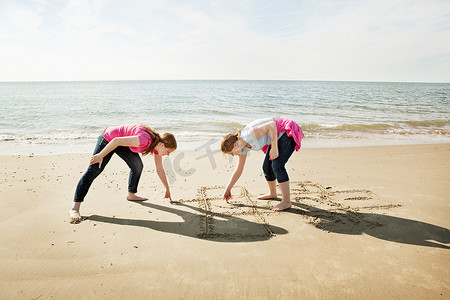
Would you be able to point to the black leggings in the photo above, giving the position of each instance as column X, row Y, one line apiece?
column 274, row 169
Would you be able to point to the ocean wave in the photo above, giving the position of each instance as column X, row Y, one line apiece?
column 217, row 129
column 42, row 137
column 215, row 112
column 202, row 126
column 228, row 125
column 427, row 123
column 400, row 127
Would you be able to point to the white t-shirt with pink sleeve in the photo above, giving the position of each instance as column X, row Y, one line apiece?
column 129, row 130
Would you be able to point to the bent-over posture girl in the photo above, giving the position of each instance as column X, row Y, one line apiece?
column 127, row 141
column 278, row 138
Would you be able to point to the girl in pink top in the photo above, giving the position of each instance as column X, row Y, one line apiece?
column 127, row 141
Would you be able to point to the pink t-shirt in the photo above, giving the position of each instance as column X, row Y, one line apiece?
column 129, row 130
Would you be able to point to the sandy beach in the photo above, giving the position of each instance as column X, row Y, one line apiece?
column 366, row 223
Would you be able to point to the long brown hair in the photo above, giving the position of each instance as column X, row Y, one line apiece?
column 228, row 141
column 167, row 139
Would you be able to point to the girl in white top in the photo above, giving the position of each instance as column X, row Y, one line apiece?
column 255, row 136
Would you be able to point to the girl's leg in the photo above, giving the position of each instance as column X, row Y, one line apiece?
column 286, row 146
column 134, row 162
column 272, row 191
column 86, row 180
column 286, row 200
column 74, row 213
column 270, row 177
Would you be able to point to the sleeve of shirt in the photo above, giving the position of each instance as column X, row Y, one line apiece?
column 246, row 135
column 144, row 140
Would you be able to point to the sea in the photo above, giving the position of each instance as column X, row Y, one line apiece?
column 42, row 118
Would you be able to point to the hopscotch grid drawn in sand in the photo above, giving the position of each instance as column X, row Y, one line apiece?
column 359, row 199
column 238, row 220
column 242, row 209
column 338, row 211
column 323, row 207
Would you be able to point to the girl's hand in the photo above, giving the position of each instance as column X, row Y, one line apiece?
column 227, row 195
column 273, row 153
column 96, row 159
column 167, row 195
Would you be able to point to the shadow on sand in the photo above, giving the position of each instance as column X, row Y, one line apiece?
column 381, row 226
column 228, row 228
column 234, row 229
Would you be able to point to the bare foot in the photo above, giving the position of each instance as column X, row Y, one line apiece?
column 282, row 206
column 134, row 197
column 267, row 197
column 75, row 216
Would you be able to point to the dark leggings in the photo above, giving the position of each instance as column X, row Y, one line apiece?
column 132, row 159
column 274, row 169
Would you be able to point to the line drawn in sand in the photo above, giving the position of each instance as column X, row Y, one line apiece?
column 342, row 211
column 327, row 209
column 242, row 207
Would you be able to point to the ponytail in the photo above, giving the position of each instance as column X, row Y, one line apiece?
column 167, row 139
column 156, row 138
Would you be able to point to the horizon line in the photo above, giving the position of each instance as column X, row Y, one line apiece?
column 304, row 80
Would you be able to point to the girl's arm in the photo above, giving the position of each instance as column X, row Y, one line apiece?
column 236, row 175
column 271, row 128
column 128, row 141
column 162, row 174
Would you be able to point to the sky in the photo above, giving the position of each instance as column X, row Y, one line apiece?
column 341, row 40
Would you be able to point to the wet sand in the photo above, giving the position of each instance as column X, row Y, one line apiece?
column 369, row 222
